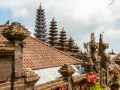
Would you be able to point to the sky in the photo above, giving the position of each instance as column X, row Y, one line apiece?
column 79, row 18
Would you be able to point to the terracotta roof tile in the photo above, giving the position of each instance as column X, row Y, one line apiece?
column 38, row 54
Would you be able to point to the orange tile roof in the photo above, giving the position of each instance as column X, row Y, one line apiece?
column 38, row 54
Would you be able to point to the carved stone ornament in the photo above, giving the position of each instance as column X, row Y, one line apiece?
column 15, row 31
column 30, row 76
column 5, row 69
column 66, row 70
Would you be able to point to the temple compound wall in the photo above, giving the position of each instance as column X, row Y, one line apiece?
column 14, row 77
column 12, row 74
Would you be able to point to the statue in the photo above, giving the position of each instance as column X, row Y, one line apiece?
column 87, row 47
column 92, row 36
column 103, row 77
column 91, row 54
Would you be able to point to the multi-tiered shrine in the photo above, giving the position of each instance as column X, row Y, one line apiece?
column 40, row 25
column 53, row 39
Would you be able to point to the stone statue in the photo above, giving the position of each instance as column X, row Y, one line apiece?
column 92, row 37
column 103, row 77
column 87, row 47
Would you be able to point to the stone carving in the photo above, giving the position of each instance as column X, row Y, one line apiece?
column 103, row 77
column 15, row 31
column 86, row 46
column 11, row 60
column 30, row 76
column 91, row 54
column 102, row 47
column 5, row 69
column 66, row 70
column 88, row 63
column 92, row 37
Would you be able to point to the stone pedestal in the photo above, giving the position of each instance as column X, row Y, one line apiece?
column 66, row 71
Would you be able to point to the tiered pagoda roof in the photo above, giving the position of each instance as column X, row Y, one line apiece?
column 40, row 25
column 77, row 49
column 63, row 41
column 71, row 46
column 53, row 39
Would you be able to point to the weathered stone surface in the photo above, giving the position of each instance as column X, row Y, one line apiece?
column 66, row 70
column 5, row 68
column 30, row 76
column 11, row 60
column 15, row 31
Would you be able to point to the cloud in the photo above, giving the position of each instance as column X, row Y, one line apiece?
column 79, row 18
column 113, row 34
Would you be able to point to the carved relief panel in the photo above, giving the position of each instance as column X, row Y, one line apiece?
column 5, row 68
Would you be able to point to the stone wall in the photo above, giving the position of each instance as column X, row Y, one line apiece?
column 12, row 74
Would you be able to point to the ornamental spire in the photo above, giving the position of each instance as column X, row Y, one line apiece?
column 40, row 7
column 63, row 40
column 40, row 26
column 70, row 38
column 63, row 29
column 53, row 18
column 53, row 33
column 71, row 46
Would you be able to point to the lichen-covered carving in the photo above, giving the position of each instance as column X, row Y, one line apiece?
column 102, row 47
column 66, row 70
column 5, row 68
column 15, row 31
column 30, row 76
column 103, row 77
column 91, row 54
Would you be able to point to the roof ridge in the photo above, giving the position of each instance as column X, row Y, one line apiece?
column 55, row 49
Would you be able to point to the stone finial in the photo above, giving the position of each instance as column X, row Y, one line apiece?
column 66, row 70
column 53, row 19
column 93, row 36
column 40, row 7
column 101, row 38
column 112, row 51
column 70, row 38
column 15, row 31
column 81, row 51
column 30, row 75
column 76, row 44
column 63, row 29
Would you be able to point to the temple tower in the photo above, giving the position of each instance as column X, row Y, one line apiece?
column 63, row 41
column 53, row 39
column 77, row 49
column 40, row 31
column 71, row 46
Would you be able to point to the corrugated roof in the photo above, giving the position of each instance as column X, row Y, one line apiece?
column 50, row 74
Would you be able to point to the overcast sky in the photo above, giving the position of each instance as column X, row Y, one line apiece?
column 78, row 17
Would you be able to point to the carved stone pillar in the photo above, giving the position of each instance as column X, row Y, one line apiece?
column 91, row 54
column 66, row 71
column 12, row 58
column 102, row 47
column 16, row 33
column 104, row 58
